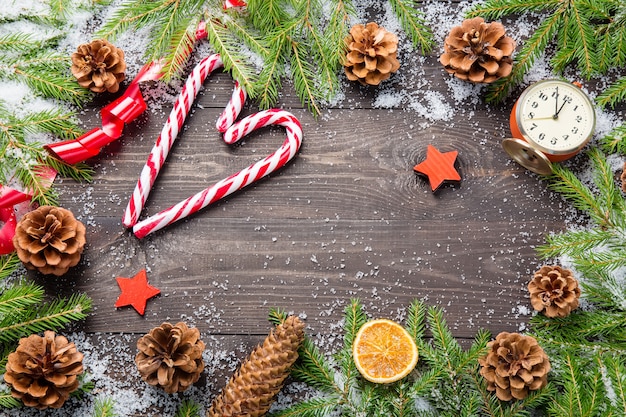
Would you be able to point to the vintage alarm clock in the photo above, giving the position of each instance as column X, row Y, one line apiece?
column 551, row 121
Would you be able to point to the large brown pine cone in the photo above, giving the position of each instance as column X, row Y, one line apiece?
column 170, row 357
column 49, row 239
column 514, row 365
column 371, row 54
column 43, row 371
column 251, row 391
column 554, row 291
column 99, row 66
column 477, row 51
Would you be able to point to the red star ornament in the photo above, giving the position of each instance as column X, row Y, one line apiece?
column 135, row 291
column 438, row 167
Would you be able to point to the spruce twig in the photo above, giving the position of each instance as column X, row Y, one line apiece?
column 38, row 318
column 589, row 35
column 104, row 407
column 188, row 408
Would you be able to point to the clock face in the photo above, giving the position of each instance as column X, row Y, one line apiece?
column 555, row 116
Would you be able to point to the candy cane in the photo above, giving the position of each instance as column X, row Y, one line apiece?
column 173, row 126
column 237, row 181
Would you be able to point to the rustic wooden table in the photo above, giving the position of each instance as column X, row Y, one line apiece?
column 347, row 218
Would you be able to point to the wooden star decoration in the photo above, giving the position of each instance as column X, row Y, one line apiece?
column 135, row 291
column 438, row 167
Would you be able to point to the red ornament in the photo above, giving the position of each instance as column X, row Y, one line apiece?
column 438, row 167
column 135, row 291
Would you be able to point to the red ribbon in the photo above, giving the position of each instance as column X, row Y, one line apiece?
column 9, row 198
column 7, row 217
column 115, row 116
column 234, row 3
column 123, row 110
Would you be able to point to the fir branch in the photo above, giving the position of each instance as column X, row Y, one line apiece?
column 188, row 408
column 354, row 319
column 604, row 290
column 104, row 407
column 582, row 38
column 615, row 93
column 51, row 85
column 615, row 141
column 18, row 297
column 447, row 348
column 616, row 373
column 79, row 172
column 414, row 24
column 179, row 49
column 577, row 42
column 497, row 9
column 525, row 58
column 314, row 407
column 303, row 73
column 277, row 316
column 19, row 43
column 313, row 368
column 7, row 400
column 52, row 316
column 228, row 46
column 269, row 81
column 415, row 321
column 573, row 242
column 581, row 394
column 337, row 30
column 565, row 182
column 53, row 121
column 8, row 265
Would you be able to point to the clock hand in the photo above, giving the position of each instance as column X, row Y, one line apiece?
column 559, row 111
column 556, row 103
column 539, row 118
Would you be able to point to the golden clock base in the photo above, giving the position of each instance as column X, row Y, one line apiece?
column 527, row 156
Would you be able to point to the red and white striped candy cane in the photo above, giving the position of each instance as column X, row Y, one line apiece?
column 237, row 181
column 172, row 127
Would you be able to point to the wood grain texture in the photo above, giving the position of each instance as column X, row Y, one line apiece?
column 347, row 218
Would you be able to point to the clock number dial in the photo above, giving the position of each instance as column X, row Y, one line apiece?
column 556, row 116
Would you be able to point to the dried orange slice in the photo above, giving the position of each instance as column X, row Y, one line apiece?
column 384, row 351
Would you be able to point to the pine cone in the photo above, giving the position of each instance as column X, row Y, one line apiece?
column 371, row 56
column 554, row 291
column 514, row 365
column 252, row 389
column 478, row 51
column 170, row 357
column 99, row 66
column 49, row 239
column 43, row 371
column 623, row 178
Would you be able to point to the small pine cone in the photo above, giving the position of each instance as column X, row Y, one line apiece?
column 251, row 391
column 99, row 66
column 43, row 371
column 478, row 52
column 170, row 357
column 49, row 239
column 371, row 54
column 554, row 291
column 514, row 365
column 623, row 178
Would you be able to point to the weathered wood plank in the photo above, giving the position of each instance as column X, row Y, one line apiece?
column 347, row 218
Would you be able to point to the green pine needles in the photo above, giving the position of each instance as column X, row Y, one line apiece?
column 31, row 63
column 302, row 40
column 446, row 381
column 587, row 34
column 25, row 310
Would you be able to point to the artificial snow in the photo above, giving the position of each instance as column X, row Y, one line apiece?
column 109, row 359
